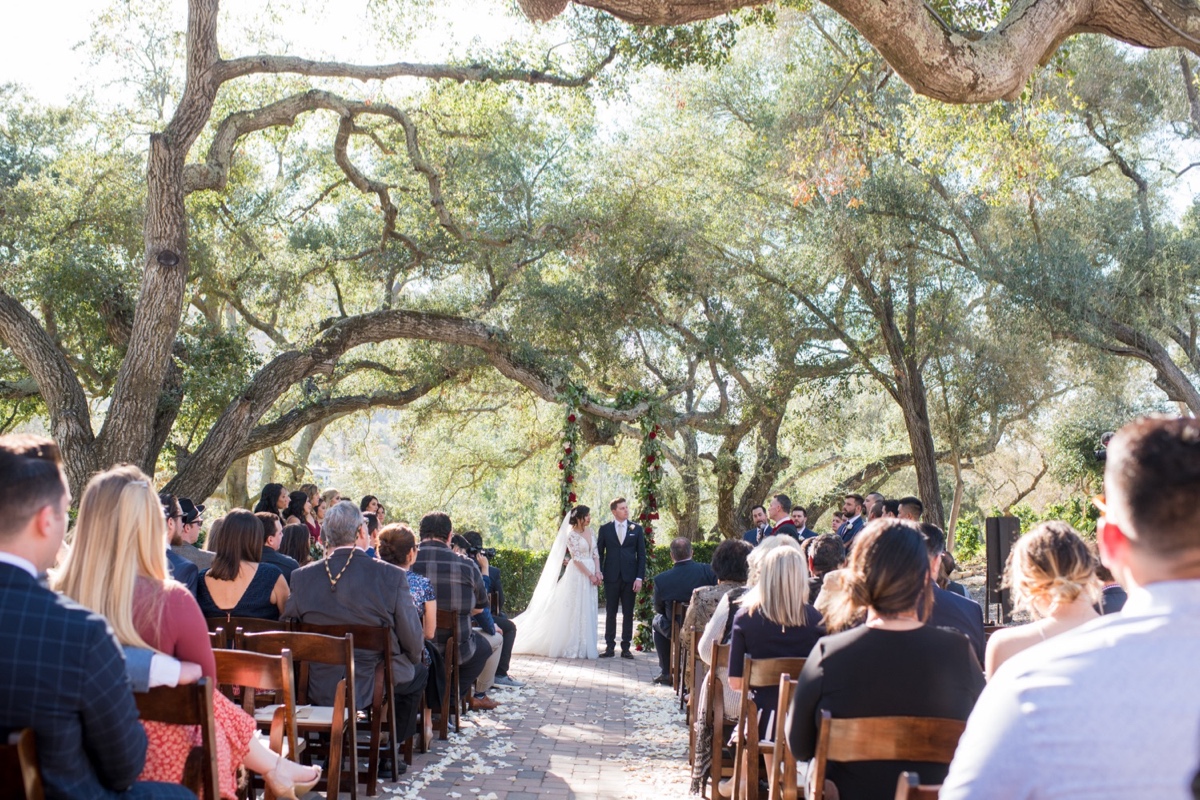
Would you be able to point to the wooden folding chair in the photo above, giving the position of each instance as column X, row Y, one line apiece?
column 691, row 697
column 340, row 721
column 717, row 718
column 783, row 778
column 451, row 697
column 381, row 743
column 678, row 610
column 188, row 704
column 909, row 787
column 881, row 739
column 230, row 624
column 756, row 674
column 20, row 778
column 218, row 639
column 252, row 672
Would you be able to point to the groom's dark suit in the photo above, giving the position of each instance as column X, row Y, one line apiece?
column 621, row 564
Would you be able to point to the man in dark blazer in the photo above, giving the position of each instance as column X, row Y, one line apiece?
column 180, row 568
column 675, row 585
column 852, row 510
column 780, row 510
column 348, row 588
column 758, row 515
column 272, row 527
column 61, row 671
column 949, row 609
column 621, row 545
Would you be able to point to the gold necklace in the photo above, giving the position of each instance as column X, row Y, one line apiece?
column 333, row 582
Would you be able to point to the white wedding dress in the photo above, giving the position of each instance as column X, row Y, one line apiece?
column 560, row 621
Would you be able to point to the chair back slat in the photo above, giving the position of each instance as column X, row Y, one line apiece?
column 254, row 671
column 188, row 704
column 20, row 777
column 891, row 738
column 760, row 672
column 783, row 779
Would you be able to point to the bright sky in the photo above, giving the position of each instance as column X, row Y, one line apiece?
column 39, row 42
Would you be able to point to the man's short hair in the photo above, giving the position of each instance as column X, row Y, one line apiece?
column 341, row 524
column 801, row 509
column 436, row 525
column 268, row 522
column 681, row 549
column 1153, row 467
column 913, row 504
column 935, row 538
column 784, row 501
column 764, row 508
column 877, row 495
column 891, row 507
column 875, row 510
column 828, row 552
column 613, row 505
column 31, row 478
column 858, row 498
column 475, row 538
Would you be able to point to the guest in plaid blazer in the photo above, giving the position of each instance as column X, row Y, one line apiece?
column 458, row 585
column 61, row 671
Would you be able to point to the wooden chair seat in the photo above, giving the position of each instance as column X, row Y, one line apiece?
column 188, row 704
column 909, row 787
column 756, row 674
column 881, row 739
column 20, row 777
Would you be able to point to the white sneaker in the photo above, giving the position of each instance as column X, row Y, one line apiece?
column 504, row 680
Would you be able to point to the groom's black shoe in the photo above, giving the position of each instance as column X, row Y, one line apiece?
column 626, row 654
column 607, row 653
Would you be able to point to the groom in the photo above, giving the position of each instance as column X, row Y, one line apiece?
column 622, row 550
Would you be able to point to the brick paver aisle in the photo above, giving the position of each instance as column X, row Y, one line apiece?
column 579, row 729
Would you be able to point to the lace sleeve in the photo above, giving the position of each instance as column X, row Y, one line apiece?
column 577, row 547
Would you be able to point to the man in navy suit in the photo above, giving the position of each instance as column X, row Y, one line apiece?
column 951, row 610
column 182, row 570
column 800, row 520
column 758, row 515
column 61, row 671
column 675, row 585
column 852, row 510
column 621, row 546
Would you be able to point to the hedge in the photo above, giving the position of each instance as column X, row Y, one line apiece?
column 521, row 569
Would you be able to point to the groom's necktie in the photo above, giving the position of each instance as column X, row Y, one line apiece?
column 621, row 532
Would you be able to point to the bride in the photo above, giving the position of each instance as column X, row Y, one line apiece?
column 560, row 621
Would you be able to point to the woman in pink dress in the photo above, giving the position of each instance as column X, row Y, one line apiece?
column 117, row 566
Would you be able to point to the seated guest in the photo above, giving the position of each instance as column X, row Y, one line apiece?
column 372, row 532
column 482, row 620
column 1108, row 711
column 1113, row 595
column 885, row 661
column 720, row 629
column 507, row 628
column 775, row 621
column 273, row 500
column 459, row 588
column 948, row 566
column 910, row 508
column 181, row 569
column 185, row 544
column 826, row 554
column 1051, row 574
column 951, row 610
column 237, row 584
column 731, row 567
column 61, row 670
column 676, row 585
column 214, row 531
column 116, row 567
column 347, row 588
column 398, row 546
column 298, row 508
column 272, row 530
column 297, row 544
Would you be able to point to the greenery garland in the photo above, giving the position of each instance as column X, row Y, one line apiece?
column 648, row 479
column 569, row 462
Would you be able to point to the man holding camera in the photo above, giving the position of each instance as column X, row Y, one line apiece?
column 507, row 628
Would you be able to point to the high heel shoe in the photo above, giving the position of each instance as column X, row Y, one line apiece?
column 276, row 787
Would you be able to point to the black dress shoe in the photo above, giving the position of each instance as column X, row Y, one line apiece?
column 662, row 680
column 607, row 653
column 626, row 654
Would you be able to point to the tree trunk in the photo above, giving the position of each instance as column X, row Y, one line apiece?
column 728, row 470
column 267, row 475
column 304, row 449
column 688, row 519
column 767, row 466
column 236, row 480
column 920, row 439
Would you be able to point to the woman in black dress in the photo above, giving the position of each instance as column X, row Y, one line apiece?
column 885, row 662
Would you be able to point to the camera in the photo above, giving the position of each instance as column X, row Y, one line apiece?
column 487, row 552
column 1101, row 453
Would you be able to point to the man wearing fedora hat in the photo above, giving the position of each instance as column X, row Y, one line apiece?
column 185, row 545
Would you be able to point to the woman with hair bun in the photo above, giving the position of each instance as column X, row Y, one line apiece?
column 885, row 662
column 1052, row 574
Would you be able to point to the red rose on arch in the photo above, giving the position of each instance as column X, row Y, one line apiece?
column 653, row 434
column 649, row 459
column 570, row 418
column 560, row 465
column 570, row 479
column 571, row 497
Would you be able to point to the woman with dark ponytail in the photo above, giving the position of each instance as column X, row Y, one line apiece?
column 885, row 662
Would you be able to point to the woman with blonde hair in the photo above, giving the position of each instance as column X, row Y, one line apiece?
column 117, row 567
column 885, row 662
column 1052, row 574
